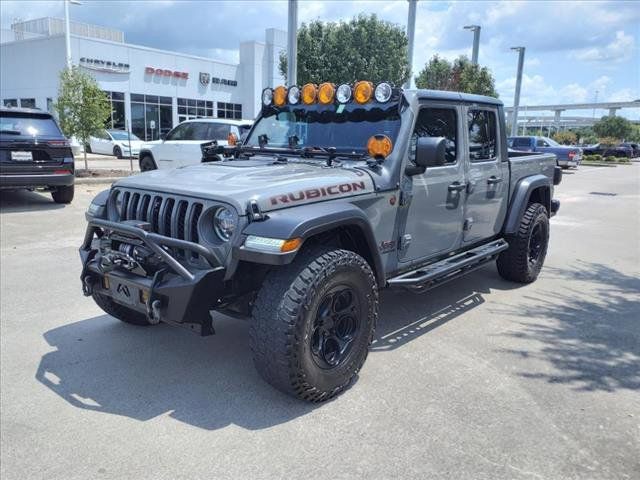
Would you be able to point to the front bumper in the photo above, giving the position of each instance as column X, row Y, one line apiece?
column 35, row 180
column 178, row 294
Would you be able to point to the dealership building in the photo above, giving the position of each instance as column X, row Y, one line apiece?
column 149, row 89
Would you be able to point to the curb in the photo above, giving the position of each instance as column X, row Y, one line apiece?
column 94, row 180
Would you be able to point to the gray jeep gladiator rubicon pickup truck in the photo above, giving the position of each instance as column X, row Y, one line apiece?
column 336, row 193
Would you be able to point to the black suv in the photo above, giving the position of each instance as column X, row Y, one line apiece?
column 35, row 154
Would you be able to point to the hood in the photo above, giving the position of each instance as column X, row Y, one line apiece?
column 272, row 185
column 134, row 143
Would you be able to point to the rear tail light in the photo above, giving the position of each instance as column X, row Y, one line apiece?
column 62, row 172
column 58, row 143
column 572, row 154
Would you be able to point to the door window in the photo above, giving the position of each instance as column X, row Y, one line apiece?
column 483, row 135
column 541, row 143
column 218, row 131
column 178, row 133
column 437, row 122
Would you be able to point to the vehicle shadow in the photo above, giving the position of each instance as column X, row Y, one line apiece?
column 591, row 338
column 26, row 201
column 103, row 365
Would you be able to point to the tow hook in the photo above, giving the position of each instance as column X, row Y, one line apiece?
column 154, row 312
column 87, row 286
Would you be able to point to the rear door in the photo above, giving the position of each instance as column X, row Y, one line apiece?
column 433, row 222
column 488, row 175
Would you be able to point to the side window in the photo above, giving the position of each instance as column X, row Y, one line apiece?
column 218, row 131
column 437, row 122
column 541, row 143
column 178, row 132
column 198, row 131
column 483, row 135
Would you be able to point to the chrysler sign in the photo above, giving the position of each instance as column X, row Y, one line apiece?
column 104, row 65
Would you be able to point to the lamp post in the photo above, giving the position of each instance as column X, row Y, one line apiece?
column 516, row 99
column 411, row 32
column 476, row 42
column 292, row 43
column 67, row 29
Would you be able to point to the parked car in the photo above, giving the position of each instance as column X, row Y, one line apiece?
column 566, row 156
column 321, row 206
column 34, row 154
column 621, row 150
column 635, row 148
column 116, row 143
column 181, row 146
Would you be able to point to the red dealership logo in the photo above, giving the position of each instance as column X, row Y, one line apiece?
column 166, row 73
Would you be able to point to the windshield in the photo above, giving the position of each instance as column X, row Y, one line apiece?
column 553, row 143
column 28, row 126
column 120, row 135
column 347, row 128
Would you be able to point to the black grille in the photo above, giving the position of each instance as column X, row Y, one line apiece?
column 169, row 216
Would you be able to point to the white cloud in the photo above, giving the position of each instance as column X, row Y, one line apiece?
column 619, row 49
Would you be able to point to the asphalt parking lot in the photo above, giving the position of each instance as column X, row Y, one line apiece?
column 477, row 379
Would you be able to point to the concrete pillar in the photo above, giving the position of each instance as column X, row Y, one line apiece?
column 556, row 118
column 612, row 112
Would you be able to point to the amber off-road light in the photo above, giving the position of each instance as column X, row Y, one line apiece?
column 279, row 96
column 309, row 93
column 232, row 139
column 363, row 91
column 326, row 93
column 379, row 146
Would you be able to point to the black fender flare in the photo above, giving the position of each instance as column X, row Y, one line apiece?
column 143, row 153
column 305, row 222
column 520, row 199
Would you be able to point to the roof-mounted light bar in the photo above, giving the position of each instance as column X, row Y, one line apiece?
column 326, row 93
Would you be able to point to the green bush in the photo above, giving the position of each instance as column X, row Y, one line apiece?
column 610, row 159
column 624, row 160
column 597, row 158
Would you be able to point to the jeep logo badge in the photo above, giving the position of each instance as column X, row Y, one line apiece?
column 204, row 78
column 123, row 290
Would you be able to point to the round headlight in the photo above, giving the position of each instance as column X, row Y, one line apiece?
column 294, row 95
column 343, row 94
column 383, row 92
column 224, row 223
column 267, row 96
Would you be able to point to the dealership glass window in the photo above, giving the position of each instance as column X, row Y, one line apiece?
column 28, row 102
column 190, row 109
column 117, row 119
column 151, row 116
column 230, row 110
column 10, row 102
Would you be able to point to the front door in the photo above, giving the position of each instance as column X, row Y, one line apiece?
column 488, row 175
column 434, row 216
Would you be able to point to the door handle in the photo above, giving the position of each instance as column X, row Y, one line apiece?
column 457, row 187
column 493, row 180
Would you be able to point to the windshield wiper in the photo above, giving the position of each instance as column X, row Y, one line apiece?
column 11, row 132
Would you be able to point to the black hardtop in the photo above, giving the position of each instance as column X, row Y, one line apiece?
column 424, row 94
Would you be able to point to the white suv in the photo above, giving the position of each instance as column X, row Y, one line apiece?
column 181, row 146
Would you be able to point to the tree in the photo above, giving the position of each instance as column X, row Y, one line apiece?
column 617, row 127
column 459, row 76
column 82, row 106
column 365, row 48
column 565, row 138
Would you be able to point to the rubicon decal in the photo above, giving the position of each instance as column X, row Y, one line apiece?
column 318, row 193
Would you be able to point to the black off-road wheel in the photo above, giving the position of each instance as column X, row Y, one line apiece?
column 313, row 322
column 63, row 194
column 524, row 258
column 147, row 163
column 120, row 312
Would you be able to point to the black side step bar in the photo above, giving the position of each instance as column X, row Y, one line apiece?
column 434, row 274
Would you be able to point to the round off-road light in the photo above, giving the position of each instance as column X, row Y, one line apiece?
column 379, row 146
column 383, row 92
column 326, row 93
column 294, row 95
column 267, row 96
column 309, row 93
column 279, row 96
column 343, row 94
column 363, row 91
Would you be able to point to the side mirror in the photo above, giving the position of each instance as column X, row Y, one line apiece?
column 430, row 152
column 163, row 136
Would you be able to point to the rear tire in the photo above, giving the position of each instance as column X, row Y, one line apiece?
column 120, row 312
column 87, row 148
column 63, row 194
column 147, row 163
column 524, row 258
column 313, row 322
column 117, row 152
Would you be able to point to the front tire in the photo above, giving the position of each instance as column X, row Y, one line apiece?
column 117, row 152
column 63, row 194
column 313, row 322
column 524, row 258
column 120, row 312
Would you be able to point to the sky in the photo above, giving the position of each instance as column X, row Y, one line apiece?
column 573, row 49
